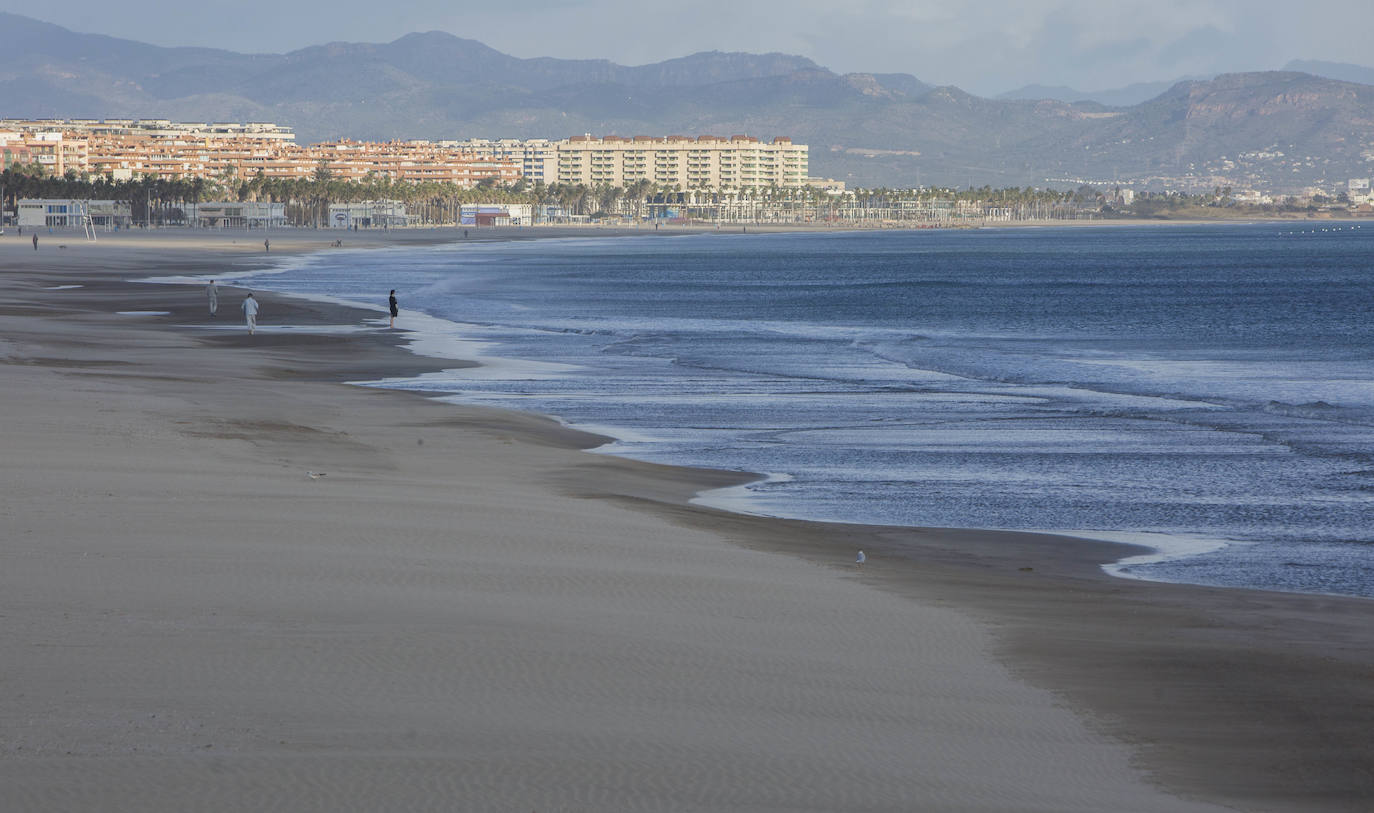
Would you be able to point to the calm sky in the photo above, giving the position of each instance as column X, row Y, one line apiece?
column 985, row 47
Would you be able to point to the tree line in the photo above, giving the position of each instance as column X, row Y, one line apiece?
column 158, row 200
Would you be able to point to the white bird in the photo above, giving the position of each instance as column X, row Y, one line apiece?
column 859, row 561
column 314, row 475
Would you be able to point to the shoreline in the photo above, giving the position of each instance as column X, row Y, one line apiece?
column 1129, row 552
column 709, row 479
column 1245, row 698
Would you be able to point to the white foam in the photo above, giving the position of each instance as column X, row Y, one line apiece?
column 1164, row 547
column 740, row 499
column 62, row 287
column 621, row 438
column 322, row 330
column 144, row 313
column 277, row 266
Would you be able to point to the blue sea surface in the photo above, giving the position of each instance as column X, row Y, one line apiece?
column 1202, row 384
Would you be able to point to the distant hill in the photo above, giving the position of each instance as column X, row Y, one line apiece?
column 1333, row 70
column 1276, row 130
column 1127, row 96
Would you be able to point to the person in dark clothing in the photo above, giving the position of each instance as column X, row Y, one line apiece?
column 35, row 242
column 395, row 311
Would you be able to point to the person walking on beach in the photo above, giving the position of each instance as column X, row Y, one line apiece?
column 250, row 313
column 212, row 291
column 395, row 311
column 266, row 245
column 35, row 242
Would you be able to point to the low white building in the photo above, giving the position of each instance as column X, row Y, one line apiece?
column 236, row 214
column 1252, row 197
column 829, row 186
column 368, row 214
column 1358, row 190
column 496, row 214
column 74, row 214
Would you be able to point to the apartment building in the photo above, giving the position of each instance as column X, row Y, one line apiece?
column 13, row 151
column 153, row 128
column 246, row 157
column 130, row 148
column 414, row 161
column 537, row 157
column 53, row 150
column 704, row 162
column 126, row 148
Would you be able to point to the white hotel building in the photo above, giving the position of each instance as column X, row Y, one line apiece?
column 705, row 162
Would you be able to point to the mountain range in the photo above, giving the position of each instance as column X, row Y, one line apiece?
column 1127, row 96
column 1276, row 130
column 1144, row 91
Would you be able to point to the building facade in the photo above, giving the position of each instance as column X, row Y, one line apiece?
column 537, row 157
column 73, row 214
column 124, row 149
column 54, row 150
column 240, row 153
column 705, row 162
column 495, row 214
column 368, row 214
column 235, row 214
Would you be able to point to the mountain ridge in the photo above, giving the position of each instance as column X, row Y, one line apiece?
column 1273, row 130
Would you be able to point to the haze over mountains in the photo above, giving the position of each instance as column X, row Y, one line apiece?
column 1277, row 130
column 1144, row 91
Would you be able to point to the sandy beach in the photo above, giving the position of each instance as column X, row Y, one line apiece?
column 469, row 612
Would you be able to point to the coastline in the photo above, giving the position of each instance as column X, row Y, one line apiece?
column 1247, row 699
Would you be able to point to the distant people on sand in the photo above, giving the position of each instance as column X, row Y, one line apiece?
column 250, row 313
column 35, row 242
column 266, row 244
column 212, row 292
column 395, row 311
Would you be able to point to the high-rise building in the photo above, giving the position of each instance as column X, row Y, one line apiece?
column 705, row 162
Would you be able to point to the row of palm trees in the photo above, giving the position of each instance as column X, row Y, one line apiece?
column 157, row 200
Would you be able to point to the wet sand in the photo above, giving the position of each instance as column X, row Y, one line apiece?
column 469, row 612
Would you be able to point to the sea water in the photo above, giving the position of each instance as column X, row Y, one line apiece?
column 1211, row 386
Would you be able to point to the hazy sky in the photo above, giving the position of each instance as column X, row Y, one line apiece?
column 985, row 47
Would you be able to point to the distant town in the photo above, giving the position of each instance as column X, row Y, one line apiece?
column 126, row 173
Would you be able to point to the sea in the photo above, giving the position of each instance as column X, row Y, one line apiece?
column 1206, row 391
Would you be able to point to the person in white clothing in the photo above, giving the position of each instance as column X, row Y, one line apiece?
column 212, row 291
column 250, row 313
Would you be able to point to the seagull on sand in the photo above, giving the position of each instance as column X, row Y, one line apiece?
column 860, row 561
column 315, row 475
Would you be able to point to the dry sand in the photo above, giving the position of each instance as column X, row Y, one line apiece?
column 469, row 613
